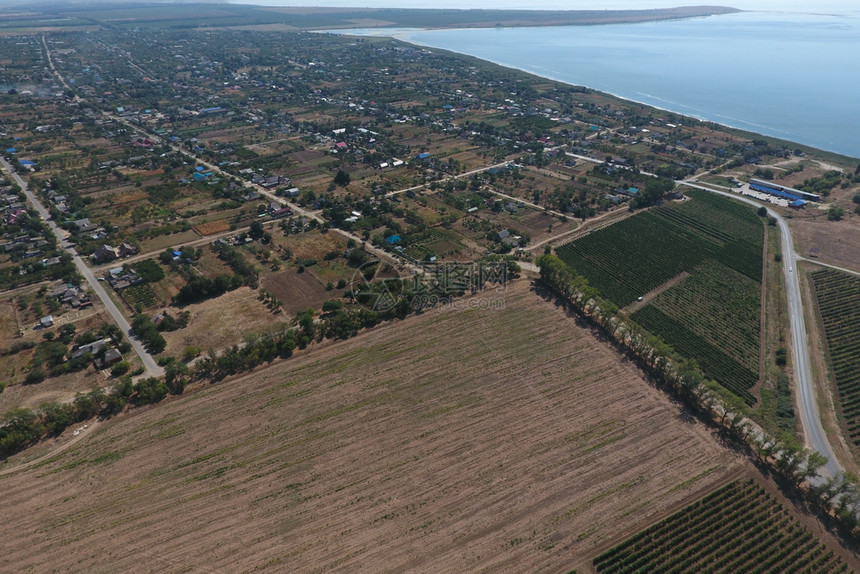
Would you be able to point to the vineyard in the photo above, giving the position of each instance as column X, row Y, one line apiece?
column 634, row 256
column 738, row 528
column 715, row 316
column 838, row 296
column 736, row 220
column 713, row 362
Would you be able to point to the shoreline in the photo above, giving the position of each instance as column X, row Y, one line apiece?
column 405, row 35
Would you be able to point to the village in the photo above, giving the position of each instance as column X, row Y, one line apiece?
column 237, row 160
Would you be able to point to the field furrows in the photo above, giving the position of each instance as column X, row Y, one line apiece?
column 493, row 440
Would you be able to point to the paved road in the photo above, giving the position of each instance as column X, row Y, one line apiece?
column 817, row 262
column 810, row 419
column 809, row 415
column 152, row 368
column 304, row 212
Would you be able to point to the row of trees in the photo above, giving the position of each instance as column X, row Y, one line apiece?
column 24, row 427
column 147, row 332
column 798, row 467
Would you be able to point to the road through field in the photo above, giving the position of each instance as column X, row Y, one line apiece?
column 809, row 415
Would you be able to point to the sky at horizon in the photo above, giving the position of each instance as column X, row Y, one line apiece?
column 849, row 8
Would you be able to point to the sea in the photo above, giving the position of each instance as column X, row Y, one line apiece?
column 794, row 76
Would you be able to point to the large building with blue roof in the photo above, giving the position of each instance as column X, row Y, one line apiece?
column 782, row 191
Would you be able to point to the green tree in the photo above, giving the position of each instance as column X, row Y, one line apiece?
column 256, row 231
column 19, row 429
column 150, row 390
column 342, row 178
column 815, row 461
column 120, row 369
column 835, row 213
column 176, row 376
column 149, row 271
column 57, row 417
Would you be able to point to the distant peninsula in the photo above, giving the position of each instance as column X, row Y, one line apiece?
column 75, row 17
column 489, row 18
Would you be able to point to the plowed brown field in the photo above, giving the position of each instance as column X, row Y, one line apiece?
column 490, row 440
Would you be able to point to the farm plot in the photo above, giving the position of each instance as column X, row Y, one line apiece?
column 634, row 256
column 838, row 296
column 140, row 296
column 484, row 440
column 718, row 217
column 738, row 528
column 728, row 372
column 713, row 316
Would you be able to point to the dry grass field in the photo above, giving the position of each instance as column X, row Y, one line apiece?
column 211, row 228
column 221, row 322
column 493, row 440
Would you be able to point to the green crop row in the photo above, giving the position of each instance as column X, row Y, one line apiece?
column 738, row 528
column 714, row 363
column 721, row 306
column 634, row 256
column 838, row 297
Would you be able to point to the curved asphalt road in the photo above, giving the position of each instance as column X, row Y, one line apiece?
column 152, row 368
column 809, row 415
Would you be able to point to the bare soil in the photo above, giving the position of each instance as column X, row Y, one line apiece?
column 838, row 242
column 297, row 291
column 503, row 439
column 211, row 228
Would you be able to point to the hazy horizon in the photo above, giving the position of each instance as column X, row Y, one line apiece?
column 844, row 7
column 824, row 6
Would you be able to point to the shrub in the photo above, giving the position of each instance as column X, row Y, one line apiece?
column 781, row 356
column 149, row 271
column 36, row 375
column 120, row 369
column 835, row 213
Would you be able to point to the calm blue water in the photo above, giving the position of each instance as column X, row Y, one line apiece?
column 792, row 76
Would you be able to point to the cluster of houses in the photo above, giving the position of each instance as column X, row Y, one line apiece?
column 13, row 207
column 57, row 200
column 277, row 211
column 103, row 354
column 505, row 238
column 23, row 245
column 121, row 278
column 107, row 252
column 267, row 181
column 72, row 295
